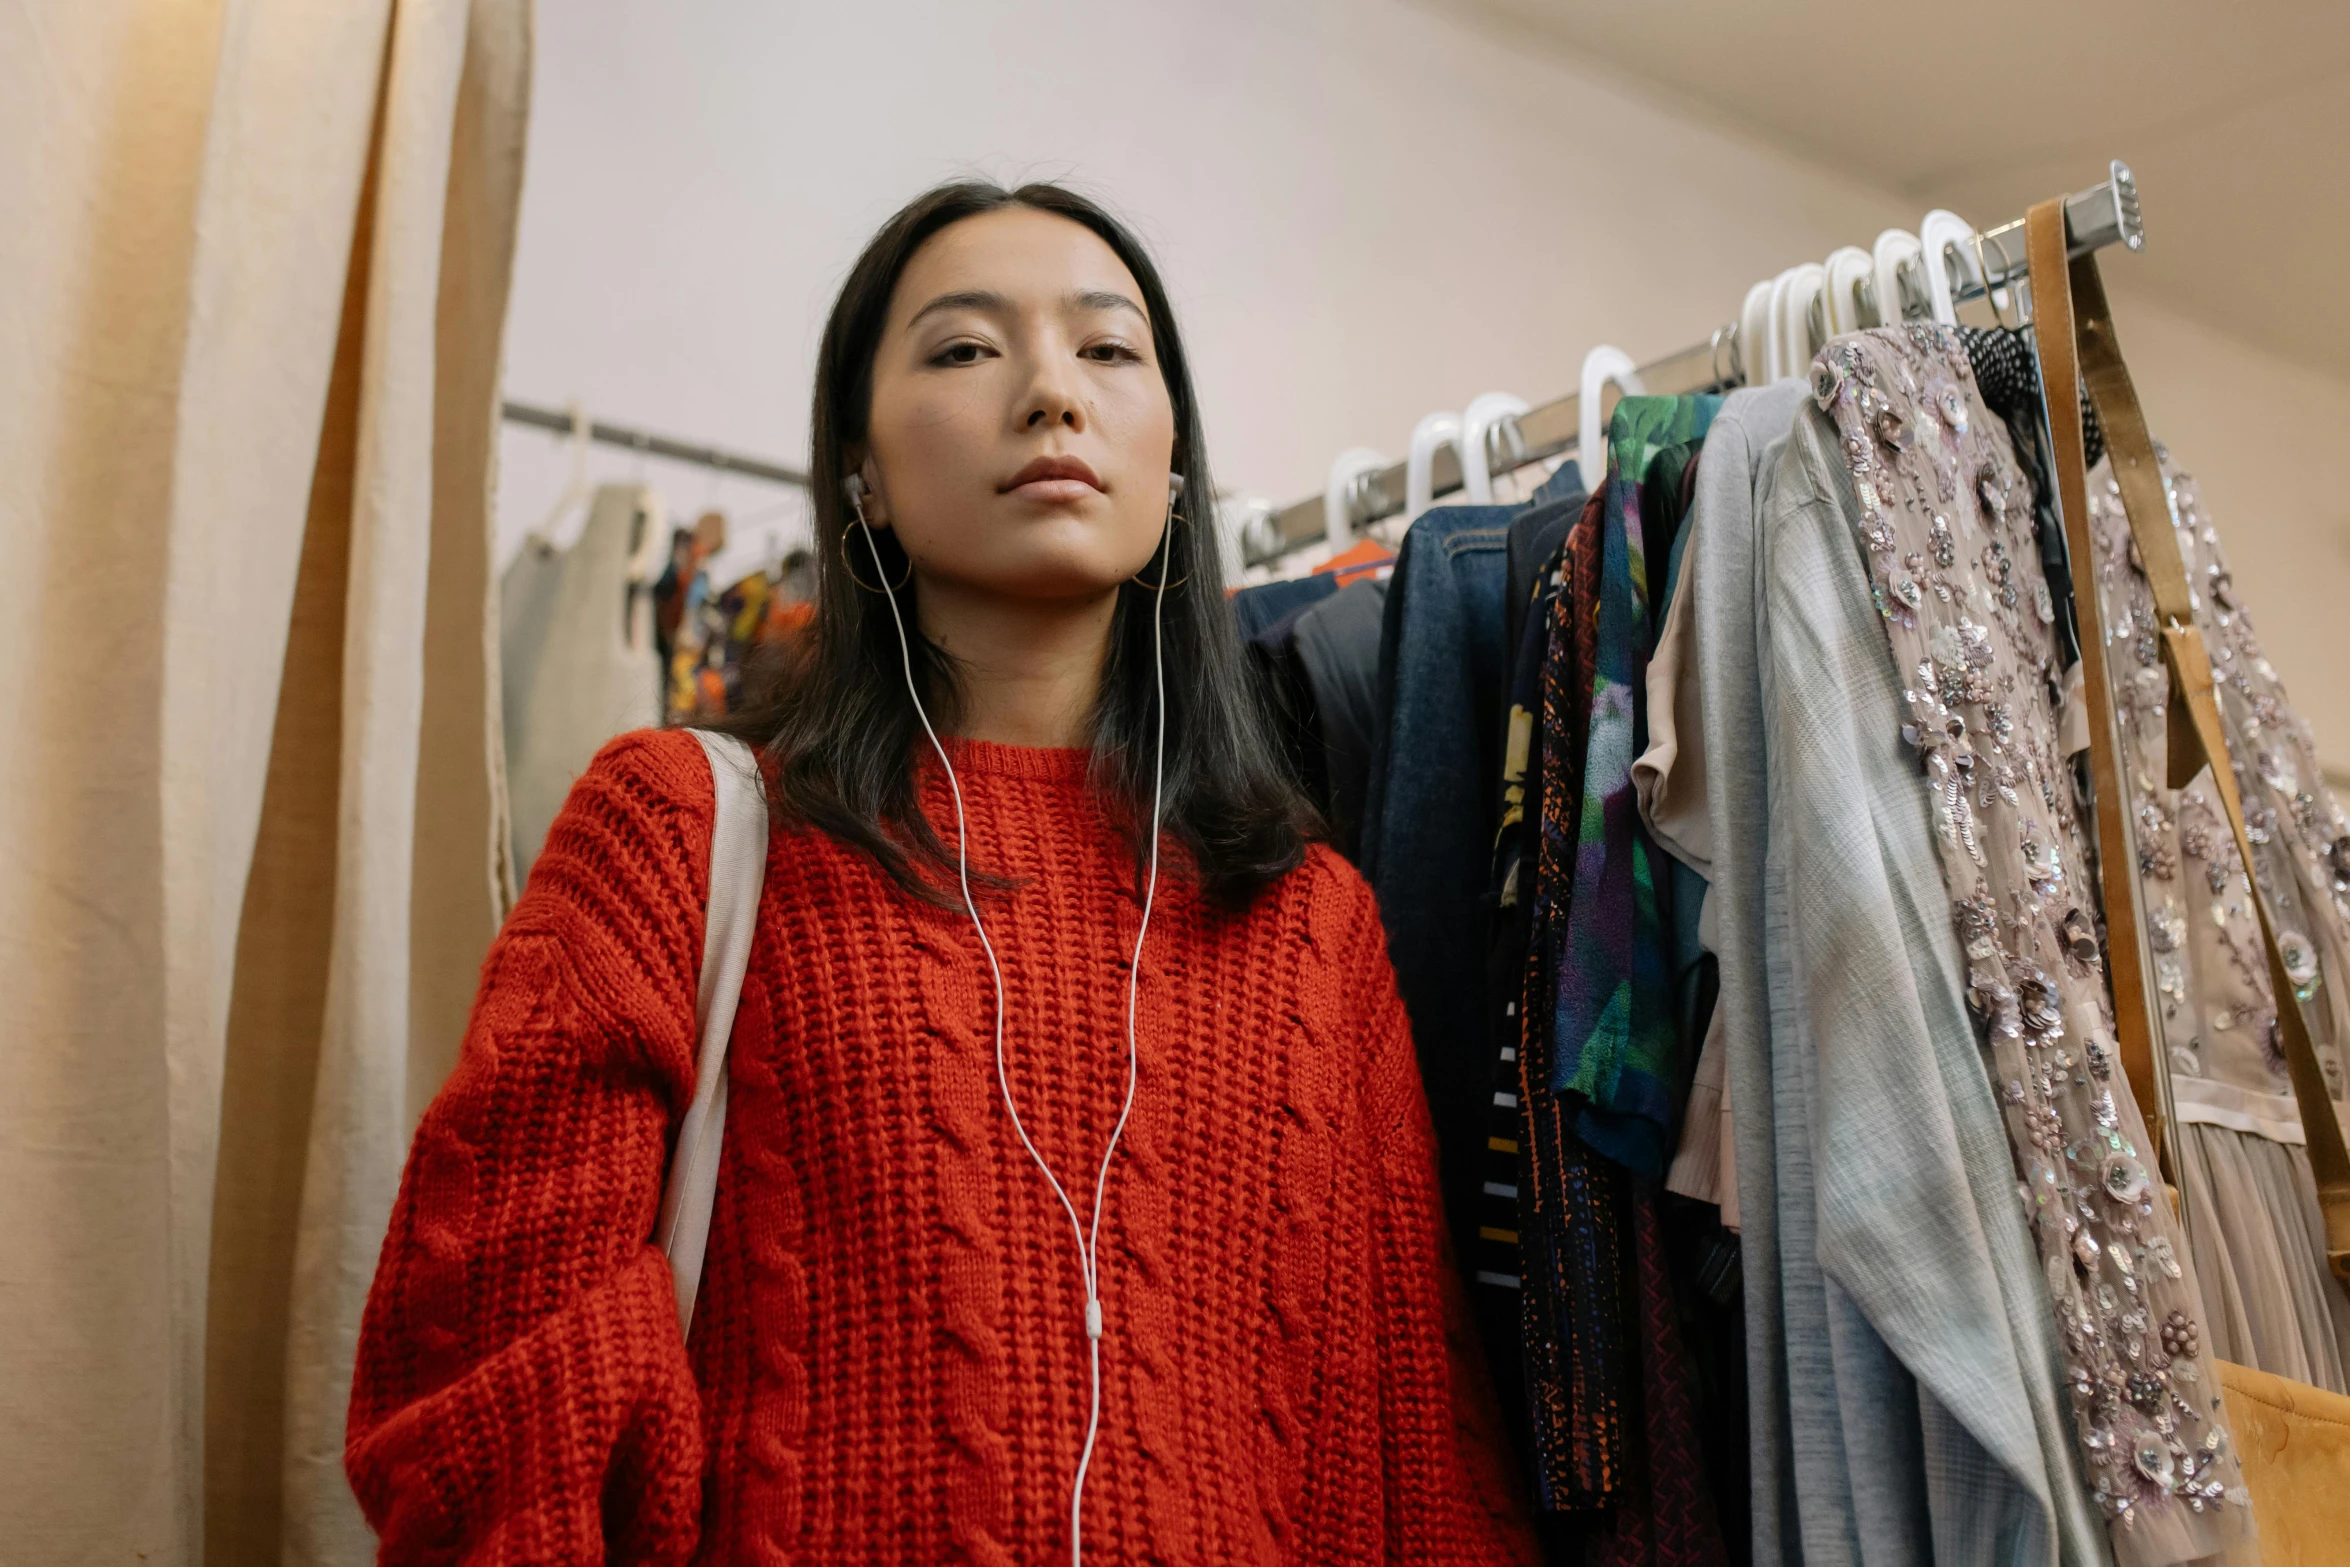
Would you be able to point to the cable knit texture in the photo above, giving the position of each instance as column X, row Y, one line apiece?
column 888, row 1355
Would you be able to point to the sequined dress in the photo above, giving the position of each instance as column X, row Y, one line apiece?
column 1947, row 534
column 2252, row 1207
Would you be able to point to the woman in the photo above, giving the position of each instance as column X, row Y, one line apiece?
column 890, row 1357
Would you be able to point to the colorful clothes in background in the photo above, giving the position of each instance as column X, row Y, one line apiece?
column 1609, row 1390
column 1571, row 1205
column 1668, row 1517
column 1614, row 1044
column 709, row 640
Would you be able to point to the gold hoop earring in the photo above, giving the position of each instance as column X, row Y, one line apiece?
column 1166, row 540
column 848, row 561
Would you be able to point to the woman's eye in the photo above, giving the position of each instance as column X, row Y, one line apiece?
column 958, row 354
column 1112, row 353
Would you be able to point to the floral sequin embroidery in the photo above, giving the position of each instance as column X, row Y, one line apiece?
column 1946, row 529
column 2209, row 960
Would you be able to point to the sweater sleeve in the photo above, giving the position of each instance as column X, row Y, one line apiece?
column 522, row 1391
column 1453, row 1492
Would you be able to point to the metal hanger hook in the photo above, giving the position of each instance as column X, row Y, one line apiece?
column 1992, row 291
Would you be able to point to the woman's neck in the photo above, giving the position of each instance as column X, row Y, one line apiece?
column 1031, row 670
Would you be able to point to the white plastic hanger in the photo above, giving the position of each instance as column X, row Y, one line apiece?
column 1754, row 335
column 1782, row 356
column 1602, row 365
column 1794, row 293
column 1947, row 240
column 652, row 546
column 1419, row 464
column 1894, row 247
column 1242, row 521
column 1485, row 411
column 1345, row 468
column 577, row 492
column 645, row 566
column 1846, row 268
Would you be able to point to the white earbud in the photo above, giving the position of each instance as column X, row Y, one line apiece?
column 1088, row 1236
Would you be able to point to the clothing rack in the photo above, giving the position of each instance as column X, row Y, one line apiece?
column 645, row 443
column 2104, row 214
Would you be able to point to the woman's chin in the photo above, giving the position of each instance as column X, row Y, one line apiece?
column 1074, row 581
column 1044, row 569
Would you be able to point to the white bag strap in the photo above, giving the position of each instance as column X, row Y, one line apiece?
column 738, row 869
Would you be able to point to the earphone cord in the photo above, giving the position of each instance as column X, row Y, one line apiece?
column 1088, row 1243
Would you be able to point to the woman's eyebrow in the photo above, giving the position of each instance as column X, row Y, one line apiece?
column 988, row 300
column 1105, row 299
column 963, row 299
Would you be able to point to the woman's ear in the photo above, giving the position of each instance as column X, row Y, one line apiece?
column 868, row 474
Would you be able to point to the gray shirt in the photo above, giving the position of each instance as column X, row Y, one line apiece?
column 1901, row 1354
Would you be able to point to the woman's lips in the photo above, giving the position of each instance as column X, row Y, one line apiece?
column 1054, row 492
column 1055, row 481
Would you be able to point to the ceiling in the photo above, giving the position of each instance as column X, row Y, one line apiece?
column 2234, row 117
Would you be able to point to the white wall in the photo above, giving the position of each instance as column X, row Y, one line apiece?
column 1365, row 211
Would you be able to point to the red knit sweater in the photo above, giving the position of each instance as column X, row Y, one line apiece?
column 888, row 1355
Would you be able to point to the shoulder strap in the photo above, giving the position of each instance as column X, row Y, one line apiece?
column 2076, row 330
column 2133, row 1023
column 738, row 870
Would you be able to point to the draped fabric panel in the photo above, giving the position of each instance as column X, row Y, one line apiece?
column 102, row 115
column 252, row 288
column 371, row 1083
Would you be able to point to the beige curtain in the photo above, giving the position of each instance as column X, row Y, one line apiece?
column 252, row 286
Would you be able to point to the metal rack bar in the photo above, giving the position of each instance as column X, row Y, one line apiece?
column 2104, row 214
column 651, row 445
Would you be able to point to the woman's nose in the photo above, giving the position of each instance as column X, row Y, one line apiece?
column 1053, row 398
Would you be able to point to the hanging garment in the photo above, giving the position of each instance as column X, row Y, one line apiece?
column 1610, row 1391
column 1285, row 695
column 1954, row 565
column 718, row 642
column 1336, row 646
column 1903, row 1364
column 1668, row 491
column 1668, row 778
column 576, row 641
column 1258, row 607
column 1569, row 1218
column 1493, row 1255
column 1614, row 1045
column 689, row 627
column 2007, row 376
column 1535, row 535
column 1566, row 1228
column 2251, row 1203
column 1700, row 1245
column 684, row 692
column 1427, row 824
column 1666, row 1517
column 1705, row 1163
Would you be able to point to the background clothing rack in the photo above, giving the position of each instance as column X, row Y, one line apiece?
column 651, row 445
column 2104, row 214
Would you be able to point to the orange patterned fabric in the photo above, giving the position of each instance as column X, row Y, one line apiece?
column 888, row 1357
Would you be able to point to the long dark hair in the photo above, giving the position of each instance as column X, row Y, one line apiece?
column 836, row 720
